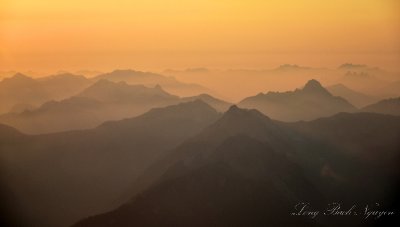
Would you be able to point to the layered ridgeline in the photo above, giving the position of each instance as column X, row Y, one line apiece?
column 20, row 92
column 311, row 102
column 57, row 179
column 356, row 98
column 386, row 106
column 149, row 79
column 102, row 101
column 218, row 104
column 248, row 170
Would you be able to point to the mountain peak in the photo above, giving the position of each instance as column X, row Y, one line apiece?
column 233, row 108
column 314, row 86
column 21, row 76
column 235, row 113
column 313, row 83
column 238, row 121
column 158, row 87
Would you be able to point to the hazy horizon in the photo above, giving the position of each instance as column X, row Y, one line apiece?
column 154, row 35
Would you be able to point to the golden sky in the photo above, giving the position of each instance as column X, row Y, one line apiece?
column 48, row 35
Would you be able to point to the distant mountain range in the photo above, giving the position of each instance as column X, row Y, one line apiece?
column 311, row 102
column 102, row 101
column 105, row 100
column 387, row 106
column 20, row 90
column 149, row 79
column 356, row 98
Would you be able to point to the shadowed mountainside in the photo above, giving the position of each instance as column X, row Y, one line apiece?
column 218, row 104
column 387, row 106
column 60, row 178
column 246, row 169
column 358, row 99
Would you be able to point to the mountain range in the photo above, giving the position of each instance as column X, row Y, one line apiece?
column 356, row 98
column 21, row 92
column 121, row 149
column 246, row 169
column 386, row 106
column 56, row 179
column 150, row 79
column 187, row 164
column 311, row 102
column 102, row 101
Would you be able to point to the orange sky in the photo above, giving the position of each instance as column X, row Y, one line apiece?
column 50, row 35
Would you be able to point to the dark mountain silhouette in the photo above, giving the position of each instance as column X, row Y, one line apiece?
column 227, row 175
column 237, row 186
column 80, row 173
column 149, row 79
column 217, row 104
column 20, row 90
column 387, row 106
column 246, row 169
column 8, row 133
column 356, row 98
column 311, row 102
